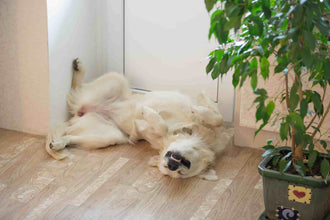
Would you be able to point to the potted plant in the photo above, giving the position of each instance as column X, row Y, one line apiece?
column 293, row 36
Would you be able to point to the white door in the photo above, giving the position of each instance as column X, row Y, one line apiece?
column 165, row 48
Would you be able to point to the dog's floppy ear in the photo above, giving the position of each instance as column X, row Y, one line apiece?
column 207, row 155
column 210, row 174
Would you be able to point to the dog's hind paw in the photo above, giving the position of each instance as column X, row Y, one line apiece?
column 57, row 144
column 77, row 65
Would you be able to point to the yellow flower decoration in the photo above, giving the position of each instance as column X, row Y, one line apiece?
column 300, row 194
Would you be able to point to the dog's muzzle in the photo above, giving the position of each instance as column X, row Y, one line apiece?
column 175, row 160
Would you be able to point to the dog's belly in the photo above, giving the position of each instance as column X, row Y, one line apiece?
column 174, row 107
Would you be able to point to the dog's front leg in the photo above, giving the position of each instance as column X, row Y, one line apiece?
column 155, row 121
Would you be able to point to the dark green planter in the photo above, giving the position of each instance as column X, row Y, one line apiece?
column 291, row 197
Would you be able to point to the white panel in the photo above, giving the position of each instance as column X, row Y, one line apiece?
column 166, row 46
column 109, row 16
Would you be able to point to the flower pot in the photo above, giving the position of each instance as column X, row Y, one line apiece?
column 290, row 197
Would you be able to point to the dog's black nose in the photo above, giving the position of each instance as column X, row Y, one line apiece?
column 172, row 165
column 177, row 156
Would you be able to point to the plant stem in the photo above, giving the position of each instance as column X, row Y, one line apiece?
column 287, row 91
column 299, row 88
column 297, row 152
column 293, row 144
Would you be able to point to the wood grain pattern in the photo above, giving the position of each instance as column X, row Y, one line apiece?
column 117, row 183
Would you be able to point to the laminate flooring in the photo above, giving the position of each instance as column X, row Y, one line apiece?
column 117, row 183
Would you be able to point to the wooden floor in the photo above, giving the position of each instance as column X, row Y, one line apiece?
column 116, row 183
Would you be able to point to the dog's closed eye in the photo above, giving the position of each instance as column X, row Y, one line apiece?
column 185, row 163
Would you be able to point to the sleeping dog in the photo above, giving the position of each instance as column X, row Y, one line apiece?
column 105, row 112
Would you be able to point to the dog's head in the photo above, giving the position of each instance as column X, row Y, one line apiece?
column 185, row 156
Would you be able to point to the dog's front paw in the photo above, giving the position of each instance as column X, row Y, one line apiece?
column 209, row 175
column 77, row 65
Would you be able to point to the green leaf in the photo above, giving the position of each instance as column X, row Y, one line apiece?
column 298, row 15
column 284, row 131
column 303, row 108
column 264, row 67
column 244, row 71
column 296, row 121
column 312, row 158
column 236, row 76
column 267, row 153
column 275, row 160
column 209, row 4
column 323, row 26
column 219, row 54
column 294, row 97
column 281, row 66
column 315, row 128
column 284, row 165
column 300, row 168
column 287, row 156
column 306, row 140
column 268, row 147
column 216, row 71
column 259, row 129
column 211, row 30
column 260, row 113
column 270, row 108
column 311, row 147
column 266, row 11
column 324, row 144
column 216, row 15
column 316, row 99
column 325, row 167
column 210, row 66
column 254, row 81
column 254, row 65
column 327, row 70
column 224, row 65
column 259, row 24
column 310, row 39
column 269, row 141
column 307, row 58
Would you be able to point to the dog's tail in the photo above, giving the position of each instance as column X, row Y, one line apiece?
column 59, row 131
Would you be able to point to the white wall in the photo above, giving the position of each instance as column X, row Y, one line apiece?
column 110, row 32
column 90, row 30
column 24, row 97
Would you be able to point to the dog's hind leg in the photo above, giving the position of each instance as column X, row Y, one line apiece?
column 89, row 141
column 90, row 131
column 58, row 132
column 78, row 74
column 207, row 112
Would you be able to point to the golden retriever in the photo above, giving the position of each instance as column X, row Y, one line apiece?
column 105, row 112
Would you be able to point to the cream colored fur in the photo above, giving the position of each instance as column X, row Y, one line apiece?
column 104, row 113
